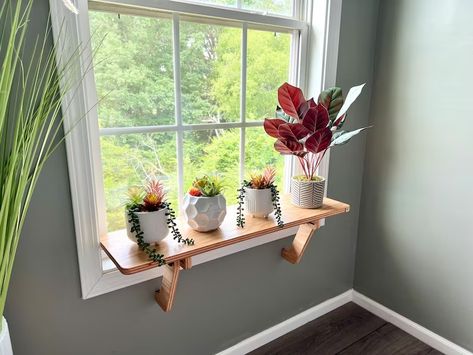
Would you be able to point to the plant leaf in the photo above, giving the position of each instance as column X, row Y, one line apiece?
column 290, row 98
column 286, row 147
column 271, row 126
column 316, row 118
column 305, row 106
column 351, row 97
column 319, row 141
column 332, row 100
column 338, row 123
column 343, row 137
column 294, row 131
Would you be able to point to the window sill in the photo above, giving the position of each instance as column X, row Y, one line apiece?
column 129, row 259
column 134, row 267
column 113, row 279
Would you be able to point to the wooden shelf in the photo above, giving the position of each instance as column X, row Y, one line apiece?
column 129, row 259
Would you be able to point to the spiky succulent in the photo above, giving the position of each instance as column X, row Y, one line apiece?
column 148, row 198
column 263, row 180
column 155, row 195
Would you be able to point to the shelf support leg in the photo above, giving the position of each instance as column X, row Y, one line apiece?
column 165, row 295
column 300, row 242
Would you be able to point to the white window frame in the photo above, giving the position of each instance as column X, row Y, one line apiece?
column 316, row 55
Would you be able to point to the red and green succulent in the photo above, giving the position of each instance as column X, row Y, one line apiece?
column 307, row 129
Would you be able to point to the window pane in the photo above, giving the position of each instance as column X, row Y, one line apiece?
column 268, row 67
column 259, row 153
column 210, row 73
column 280, row 7
column 127, row 161
column 133, row 69
column 210, row 152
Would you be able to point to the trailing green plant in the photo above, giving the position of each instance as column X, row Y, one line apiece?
column 33, row 90
column 151, row 198
column 264, row 180
column 136, row 230
column 207, row 186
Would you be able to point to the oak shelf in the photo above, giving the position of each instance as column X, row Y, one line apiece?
column 129, row 259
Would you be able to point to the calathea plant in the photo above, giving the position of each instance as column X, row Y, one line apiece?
column 260, row 196
column 307, row 129
column 150, row 217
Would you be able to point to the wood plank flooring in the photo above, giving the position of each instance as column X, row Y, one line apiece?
column 349, row 329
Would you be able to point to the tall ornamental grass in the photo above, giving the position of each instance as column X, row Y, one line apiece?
column 30, row 122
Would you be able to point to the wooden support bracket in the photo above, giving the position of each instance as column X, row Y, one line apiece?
column 300, row 242
column 165, row 295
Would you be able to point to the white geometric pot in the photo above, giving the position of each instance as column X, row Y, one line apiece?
column 258, row 202
column 153, row 225
column 5, row 342
column 308, row 194
column 204, row 214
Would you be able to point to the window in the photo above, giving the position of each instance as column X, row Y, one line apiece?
column 180, row 98
column 182, row 90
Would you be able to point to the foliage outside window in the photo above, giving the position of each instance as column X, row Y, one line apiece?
column 135, row 79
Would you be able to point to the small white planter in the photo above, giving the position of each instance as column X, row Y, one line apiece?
column 308, row 194
column 5, row 342
column 204, row 214
column 153, row 225
column 258, row 202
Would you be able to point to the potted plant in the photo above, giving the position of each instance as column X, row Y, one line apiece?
column 307, row 129
column 204, row 205
column 149, row 218
column 260, row 197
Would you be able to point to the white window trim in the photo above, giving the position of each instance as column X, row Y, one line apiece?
column 83, row 157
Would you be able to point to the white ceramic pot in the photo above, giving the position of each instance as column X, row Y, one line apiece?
column 5, row 342
column 308, row 194
column 204, row 214
column 153, row 225
column 258, row 202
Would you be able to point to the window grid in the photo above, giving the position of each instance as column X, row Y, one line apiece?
column 180, row 127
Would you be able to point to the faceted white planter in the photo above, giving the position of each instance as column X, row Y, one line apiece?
column 5, row 342
column 153, row 225
column 204, row 214
column 307, row 194
column 258, row 202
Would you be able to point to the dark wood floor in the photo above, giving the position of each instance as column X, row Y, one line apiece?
column 349, row 329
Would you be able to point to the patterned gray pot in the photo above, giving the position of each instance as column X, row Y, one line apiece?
column 307, row 194
column 204, row 214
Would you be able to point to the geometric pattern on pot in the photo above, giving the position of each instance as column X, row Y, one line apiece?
column 204, row 214
column 307, row 194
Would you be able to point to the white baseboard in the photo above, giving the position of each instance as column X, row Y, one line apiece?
column 288, row 325
column 410, row 327
column 423, row 334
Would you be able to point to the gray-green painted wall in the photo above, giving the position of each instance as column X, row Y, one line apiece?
column 415, row 245
column 218, row 303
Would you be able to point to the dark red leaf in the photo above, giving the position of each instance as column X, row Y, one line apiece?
column 285, row 147
column 319, row 141
column 305, row 106
column 294, row 131
column 271, row 126
column 316, row 118
column 290, row 98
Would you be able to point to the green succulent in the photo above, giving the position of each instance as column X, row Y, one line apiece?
column 209, row 185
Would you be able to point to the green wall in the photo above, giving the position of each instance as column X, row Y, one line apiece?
column 415, row 238
column 218, row 303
